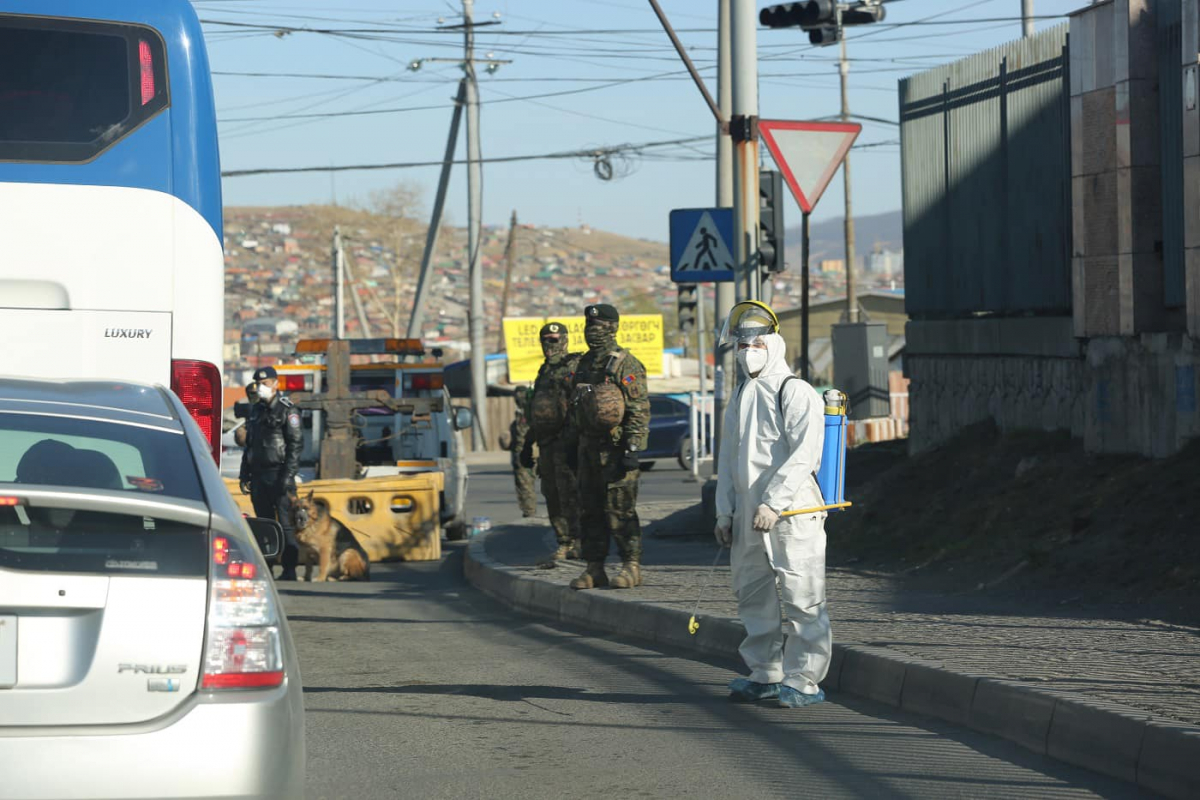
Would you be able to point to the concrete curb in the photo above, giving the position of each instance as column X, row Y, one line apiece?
column 1160, row 755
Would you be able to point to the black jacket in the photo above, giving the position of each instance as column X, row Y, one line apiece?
column 273, row 441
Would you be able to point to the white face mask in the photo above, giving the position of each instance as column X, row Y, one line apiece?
column 752, row 359
column 265, row 393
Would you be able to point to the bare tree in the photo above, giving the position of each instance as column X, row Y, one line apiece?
column 400, row 204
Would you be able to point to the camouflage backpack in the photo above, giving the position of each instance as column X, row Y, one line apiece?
column 603, row 404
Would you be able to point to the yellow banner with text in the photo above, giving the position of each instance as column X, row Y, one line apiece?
column 640, row 334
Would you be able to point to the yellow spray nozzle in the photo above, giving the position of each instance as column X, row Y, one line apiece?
column 693, row 625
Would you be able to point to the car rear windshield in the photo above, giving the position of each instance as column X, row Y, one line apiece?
column 46, row 450
column 69, row 89
column 66, row 540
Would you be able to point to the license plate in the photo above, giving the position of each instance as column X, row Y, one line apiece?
column 8, row 652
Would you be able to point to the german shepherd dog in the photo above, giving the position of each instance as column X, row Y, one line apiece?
column 328, row 543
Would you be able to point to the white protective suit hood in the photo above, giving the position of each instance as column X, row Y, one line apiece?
column 767, row 457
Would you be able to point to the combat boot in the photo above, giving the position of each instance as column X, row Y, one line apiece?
column 575, row 551
column 594, row 577
column 629, row 576
column 552, row 561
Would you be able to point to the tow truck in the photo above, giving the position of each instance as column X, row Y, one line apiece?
column 383, row 445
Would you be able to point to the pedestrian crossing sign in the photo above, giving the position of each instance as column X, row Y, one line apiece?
column 700, row 245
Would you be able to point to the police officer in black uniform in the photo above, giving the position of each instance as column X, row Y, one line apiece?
column 269, row 463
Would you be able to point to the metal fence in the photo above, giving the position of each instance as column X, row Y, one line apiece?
column 985, row 160
column 1169, row 45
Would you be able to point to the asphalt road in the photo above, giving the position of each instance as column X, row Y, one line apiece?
column 418, row 686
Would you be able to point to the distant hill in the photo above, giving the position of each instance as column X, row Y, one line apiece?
column 886, row 230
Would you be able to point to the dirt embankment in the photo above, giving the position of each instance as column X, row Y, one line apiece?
column 1027, row 513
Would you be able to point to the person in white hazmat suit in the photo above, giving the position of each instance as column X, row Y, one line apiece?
column 771, row 446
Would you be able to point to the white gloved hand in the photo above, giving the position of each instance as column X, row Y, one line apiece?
column 765, row 518
column 724, row 531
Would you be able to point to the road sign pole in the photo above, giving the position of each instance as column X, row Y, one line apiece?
column 743, row 128
column 805, row 370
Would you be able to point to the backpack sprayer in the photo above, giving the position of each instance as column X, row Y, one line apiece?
column 831, row 479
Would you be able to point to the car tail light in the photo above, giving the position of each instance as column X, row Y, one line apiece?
column 146, row 59
column 242, row 649
column 198, row 385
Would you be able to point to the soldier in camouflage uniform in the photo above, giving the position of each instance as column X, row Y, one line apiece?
column 612, row 422
column 519, row 435
column 548, row 416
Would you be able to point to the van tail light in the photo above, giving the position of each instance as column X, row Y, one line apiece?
column 293, row 383
column 198, row 385
column 242, row 648
column 425, row 381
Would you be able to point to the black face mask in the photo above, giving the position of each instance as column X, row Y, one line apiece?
column 600, row 336
column 554, row 350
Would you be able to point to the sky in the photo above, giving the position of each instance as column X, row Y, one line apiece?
column 583, row 74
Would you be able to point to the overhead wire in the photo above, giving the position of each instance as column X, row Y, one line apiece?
column 591, row 152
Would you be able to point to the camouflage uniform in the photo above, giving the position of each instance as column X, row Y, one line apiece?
column 548, row 416
column 519, row 434
column 608, row 460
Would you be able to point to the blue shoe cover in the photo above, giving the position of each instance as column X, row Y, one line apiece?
column 794, row 698
column 745, row 690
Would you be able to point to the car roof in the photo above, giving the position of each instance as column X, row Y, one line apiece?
column 121, row 402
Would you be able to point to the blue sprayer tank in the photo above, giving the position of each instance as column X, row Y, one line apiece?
column 831, row 477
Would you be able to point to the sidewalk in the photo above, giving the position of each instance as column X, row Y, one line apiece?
column 1120, row 696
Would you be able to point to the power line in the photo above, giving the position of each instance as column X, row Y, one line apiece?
column 595, row 152
column 326, row 114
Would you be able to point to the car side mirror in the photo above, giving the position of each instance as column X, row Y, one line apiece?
column 463, row 418
column 269, row 535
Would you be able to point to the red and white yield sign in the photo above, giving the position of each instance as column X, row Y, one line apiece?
column 808, row 154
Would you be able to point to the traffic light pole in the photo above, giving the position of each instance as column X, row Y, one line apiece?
column 724, row 369
column 851, row 285
column 743, row 129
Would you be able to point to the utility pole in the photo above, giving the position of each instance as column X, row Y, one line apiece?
column 1026, row 18
column 339, row 285
column 743, row 129
column 510, row 254
column 417, row 317
column 851, row 289
column 724, row 369
column 363, row 322
column 474, row 214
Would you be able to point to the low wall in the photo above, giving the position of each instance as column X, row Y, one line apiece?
column 1117, row 394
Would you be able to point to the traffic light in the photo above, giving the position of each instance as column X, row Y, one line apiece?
column 686, row 304
column 770, row 226
column 822, row 18
column 799, row 15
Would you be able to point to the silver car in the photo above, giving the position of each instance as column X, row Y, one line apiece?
column 143, row 649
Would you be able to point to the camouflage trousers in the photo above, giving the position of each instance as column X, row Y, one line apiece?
column 526, row 488
column 607, row 503
column 561, row 490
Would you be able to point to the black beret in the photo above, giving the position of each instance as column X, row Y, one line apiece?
column 265, row 373
column 602, row 312
column 553, row 329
